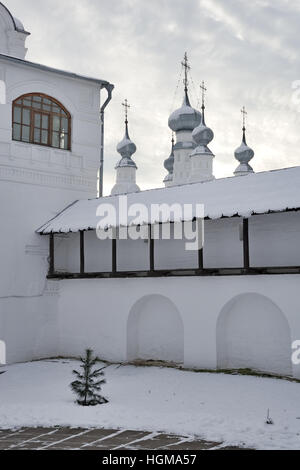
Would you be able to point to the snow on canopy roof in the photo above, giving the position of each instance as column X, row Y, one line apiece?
column 258, row 193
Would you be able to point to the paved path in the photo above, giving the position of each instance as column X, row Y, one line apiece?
column 98, row 439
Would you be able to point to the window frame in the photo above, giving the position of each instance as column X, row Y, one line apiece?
column 50, row 114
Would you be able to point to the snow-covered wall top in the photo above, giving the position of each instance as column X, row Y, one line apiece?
column 258, row 193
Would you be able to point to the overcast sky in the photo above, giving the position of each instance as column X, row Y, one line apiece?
column 246, row 51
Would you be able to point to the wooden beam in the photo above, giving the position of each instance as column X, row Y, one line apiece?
column 152, row 250
column 82, row 253
column 223, row 272
column 51, row 255
column 246, row 244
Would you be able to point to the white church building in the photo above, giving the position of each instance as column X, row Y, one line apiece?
column 233, row 303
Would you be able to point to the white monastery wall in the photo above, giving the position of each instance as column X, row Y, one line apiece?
column 250, row 323
column 28, row 326
column 97, row 254
column 274, row 240
column 223, row 247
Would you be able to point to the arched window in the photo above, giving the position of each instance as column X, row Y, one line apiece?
column 42, row 120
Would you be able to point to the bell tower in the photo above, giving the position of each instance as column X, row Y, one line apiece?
column 126, row 168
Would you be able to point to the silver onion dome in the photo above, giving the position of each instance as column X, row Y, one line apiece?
column 202, row 135
column 185, row 118
column 126, row 148
column 244, row 154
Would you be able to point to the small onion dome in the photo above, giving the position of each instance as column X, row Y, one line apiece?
column 202, row 134
column 244, row 154
column 126, row 148
column 185, row 118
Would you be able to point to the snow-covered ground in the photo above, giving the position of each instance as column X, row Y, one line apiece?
column 216, row 407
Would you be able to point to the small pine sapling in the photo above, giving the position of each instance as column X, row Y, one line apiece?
column 269, row 419
column 89, row 382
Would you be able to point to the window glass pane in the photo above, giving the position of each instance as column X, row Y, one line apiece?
column 63, row 113
column 66, row 142
column 16, row 132
column 44, row 139
column 26, row 116
column 46, row 101
column 55, row 109
column 27, row 102
column 37, row 135
column 46, row 107
column 36, row 105
column 62, row 140
column 17, row 114
column 19, row 102
column 25, row 133
column 56, row 123
column 55, row 139
column 37, row 98
column 45, row 121
column 64, row 124
column 37, row 120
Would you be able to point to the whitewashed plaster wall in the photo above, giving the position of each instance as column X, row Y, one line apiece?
column 111, row 316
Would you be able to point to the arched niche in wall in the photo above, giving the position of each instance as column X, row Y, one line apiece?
column 253, row 333
column 155, row 331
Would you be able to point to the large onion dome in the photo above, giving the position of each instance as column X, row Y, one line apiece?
column 185, row 118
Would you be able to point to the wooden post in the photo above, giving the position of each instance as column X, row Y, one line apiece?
column 200, row 260
column 114, row 253
column 152, row 250
column 82, row 254
column 246, row 243
column 201, row 250
column 51, row 255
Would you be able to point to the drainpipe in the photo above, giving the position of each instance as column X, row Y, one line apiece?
column 109, row 89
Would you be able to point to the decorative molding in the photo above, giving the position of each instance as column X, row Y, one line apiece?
column 39, row 178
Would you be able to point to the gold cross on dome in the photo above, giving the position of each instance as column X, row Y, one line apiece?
column 186, row 66
column 127, row 107
column 244, row 113
column 202, row 87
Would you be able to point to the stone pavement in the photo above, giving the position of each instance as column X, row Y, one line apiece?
column 99, row 439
